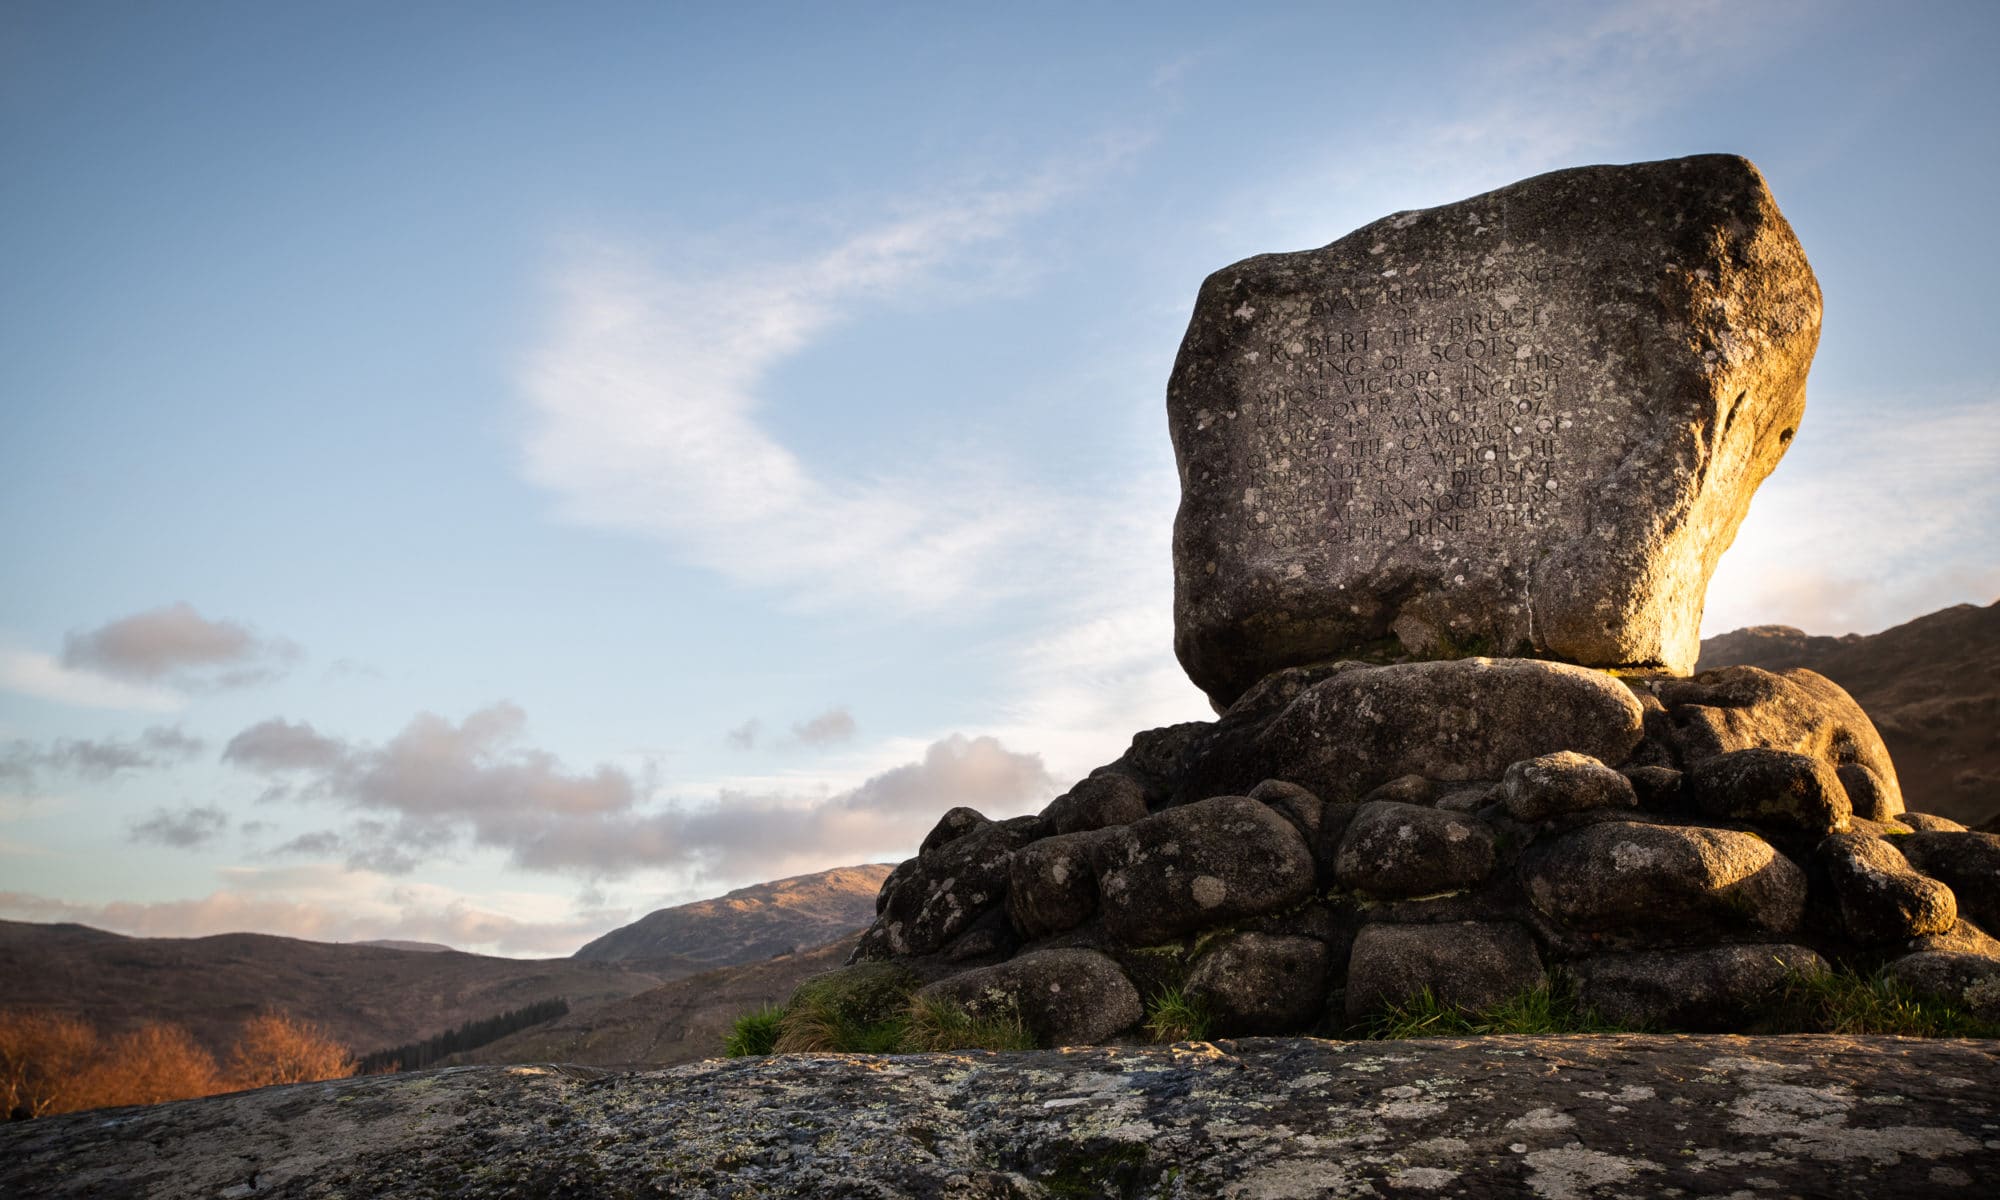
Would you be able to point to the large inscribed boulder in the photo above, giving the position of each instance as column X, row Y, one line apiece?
column 1525, row 423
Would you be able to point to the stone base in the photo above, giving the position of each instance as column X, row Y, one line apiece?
column 1347, row 836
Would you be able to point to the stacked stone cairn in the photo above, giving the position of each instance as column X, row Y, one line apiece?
column 1452, row 491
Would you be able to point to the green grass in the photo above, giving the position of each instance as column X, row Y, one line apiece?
column 1549, row 1008
column 1174, row 1016
column 1843, row 1002
column 754, row 1032
column 934, row 1024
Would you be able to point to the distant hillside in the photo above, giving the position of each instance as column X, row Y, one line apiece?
column 399, row 944
column 677, row 1022
column 1932, row 686
column 368, row 997
column 747, row 925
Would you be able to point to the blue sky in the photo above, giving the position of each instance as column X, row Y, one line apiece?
column 481, row 472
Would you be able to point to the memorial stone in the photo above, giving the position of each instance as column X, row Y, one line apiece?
column 1523, row 424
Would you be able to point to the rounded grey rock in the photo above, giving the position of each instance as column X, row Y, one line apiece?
column 1200, row 865
column 1064, row 997
column 1624, row 875
column 1469, row 964
column 1399, row 850
column 1260, row 983
column 1712, row 988
column 1536, row 789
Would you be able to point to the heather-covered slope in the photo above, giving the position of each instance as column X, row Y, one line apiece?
column 368, row 997
column 748, row 925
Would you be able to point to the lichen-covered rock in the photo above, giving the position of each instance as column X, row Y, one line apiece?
column 1065, row 997
column 1656, row 788
column 959, row 881
column 1294, row 803
column 1470, row 964
column 1260, row 983
column 1460, row 720
column 1881, row 898
column 1200, row 865
column 1530, row 419
column 1929, row 823
column 1155, row 757
column 1714, row 987
column 1052, row 884
column 1743, row 708
column 1536, row 789
column 1774, row 788
column 1396, row 850
column 1968, row 980
column 1867, row 795
column 1968, row 863
column 954, row 824
column 1634, row 877
column 1560, row 1118
column 1097, row 802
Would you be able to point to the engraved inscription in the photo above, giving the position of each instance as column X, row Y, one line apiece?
column 1397, row 410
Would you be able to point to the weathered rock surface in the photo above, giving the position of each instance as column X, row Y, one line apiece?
column 1260, row 982
column 1533, row 418
column 1881, row 898
column 1715, row 987
column 1279, row 1118
column 1744, row 708
column 1966, row 862
column 1201, row 864
column 1064, row 997
column 1395, row 850
column 1471, row 964
column 1459, row 720
column 1535, row 789
column 1632, row 876
column 1772, row 787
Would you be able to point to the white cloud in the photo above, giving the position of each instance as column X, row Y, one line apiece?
column 31, row 673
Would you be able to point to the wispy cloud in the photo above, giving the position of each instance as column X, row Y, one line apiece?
column 23, row 763
column 645, row 410
column 833, row 726
column 439, row 785
column 186, row 828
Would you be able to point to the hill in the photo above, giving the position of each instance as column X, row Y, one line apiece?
column 678, row 1022
column 750, row 924
column 1932, row 687
column 368, row 997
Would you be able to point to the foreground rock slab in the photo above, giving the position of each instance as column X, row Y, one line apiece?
column 1557, row 1117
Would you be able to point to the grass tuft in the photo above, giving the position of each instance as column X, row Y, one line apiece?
column 1548, row 1008
column 1174, row 1016
column 1843, row 1002
column 754, row 1033
column 937, row 1024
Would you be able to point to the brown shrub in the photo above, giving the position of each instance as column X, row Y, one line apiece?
column 156, row 1062
column 275, row 1047
column 43, row 1061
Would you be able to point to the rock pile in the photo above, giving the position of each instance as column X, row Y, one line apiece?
column 1528, row 422
column 1673, row 846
